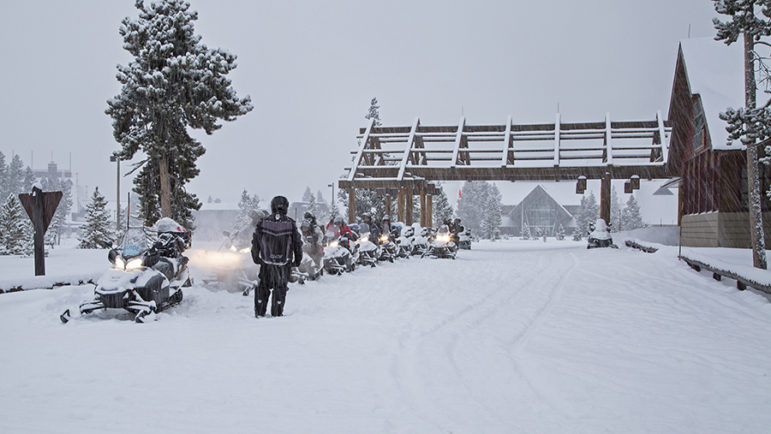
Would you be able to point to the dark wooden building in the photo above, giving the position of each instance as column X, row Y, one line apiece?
column 713, row 174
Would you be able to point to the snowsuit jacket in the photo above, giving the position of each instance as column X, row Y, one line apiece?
column 341, row 231
column 374, row 231
column 277, row 241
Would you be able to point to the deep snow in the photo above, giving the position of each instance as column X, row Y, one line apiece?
column 513, row 336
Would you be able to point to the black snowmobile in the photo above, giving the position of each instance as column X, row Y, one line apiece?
column 142, row 281
column 599, row 236
column 442, row 246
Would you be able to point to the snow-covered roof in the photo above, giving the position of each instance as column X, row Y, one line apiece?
column 715, row 71
column 221, row 206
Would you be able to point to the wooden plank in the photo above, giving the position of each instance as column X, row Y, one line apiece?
column 357, row 158
column 662, row 137
column 407, row 150
column 557, row 141
column 608, row 140
column 506, row 142
column 458, row 139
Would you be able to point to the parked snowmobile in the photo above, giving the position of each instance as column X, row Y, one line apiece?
column 599, row 236
column 368, row 251
column 308, row 270
column 404, row 242
column 142, row 281
column 337, row 258
column 421, row 242
column 464, row 240
column 387, row 247
column 442, row 245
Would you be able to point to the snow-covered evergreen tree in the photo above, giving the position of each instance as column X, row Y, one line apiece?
column 173, row 83
column 97, row 232
column 313, row 207
column 560, row 232
column 374, row 112
column 248, row 204
column 471, row 204
column 615, row 211
column 29, row 179
column 4, row 191
column 16, row 176
column 441, row 208
column 750, row 19
column 630, row 217
column 56, row 228
column 307, row 195
column 588, row 212
column 16, row 233
column 525, row 232
column 491, row 218
column 366, row 200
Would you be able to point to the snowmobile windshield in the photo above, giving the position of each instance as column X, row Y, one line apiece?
column 444, row 230
column 363, row 228
column 134, row 242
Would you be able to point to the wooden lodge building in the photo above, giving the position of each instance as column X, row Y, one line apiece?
column 709, row 77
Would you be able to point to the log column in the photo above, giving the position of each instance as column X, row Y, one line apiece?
column 605, row 198
column 388, row 204
column 429, row 211
column 408, row 206
column 351, row 205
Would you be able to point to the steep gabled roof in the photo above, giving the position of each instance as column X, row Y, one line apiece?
column 539, row 192
column 715, row 72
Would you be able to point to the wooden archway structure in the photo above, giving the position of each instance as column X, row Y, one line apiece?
column 404, row 161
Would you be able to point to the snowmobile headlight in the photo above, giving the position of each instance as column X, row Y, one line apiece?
column 120, row 264
column 443, row 238
column 134, row 264
column 334, row 244
column 245, row 250
column 233, row 249
column 363, row 239
column 383, row 238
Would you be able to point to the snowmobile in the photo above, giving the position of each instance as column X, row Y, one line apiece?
column 387, row 247
column 442, row 245
column 464, row 240
column 337, row 258
column 599, row 236
column 308, row 270
column 231, row 267
column 404, row 242
column 142, row 281
column 368, row 251
column 421, row 242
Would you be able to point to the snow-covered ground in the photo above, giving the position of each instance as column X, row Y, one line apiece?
column 513, row 336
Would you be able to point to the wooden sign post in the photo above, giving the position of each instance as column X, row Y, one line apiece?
column 40, row 208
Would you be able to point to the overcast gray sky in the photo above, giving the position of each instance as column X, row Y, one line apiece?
column 311, row 68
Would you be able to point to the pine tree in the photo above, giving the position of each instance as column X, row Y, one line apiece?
column 4, row 191
column 174, row 82
column 491, row 220
column 16, row 176
column 323, row 207
column 587, row 214
column 441, row 208
column 374, row 112
column 615, row 211
column 16, row 234
column 560, row 232
column 367, row 202
column 313, row 207
column 630, row 217
column 525, row 232
column 307, row 195
column 248, row 205
column 97, row 233
column 29, row 179
column 471, row 205
column 750, row 123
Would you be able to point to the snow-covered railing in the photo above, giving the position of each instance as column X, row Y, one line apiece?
column 46, row 282
column 638, row 246
column 718, row 273
column 511, row 151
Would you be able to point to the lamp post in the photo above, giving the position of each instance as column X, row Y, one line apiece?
column 116, row 158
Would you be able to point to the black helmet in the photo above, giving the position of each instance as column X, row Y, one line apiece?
column 279, row 205
column 386, row 218
column 338, row 220
column 366, row 217
column 457, row 221
column 446, row 222
column 308, row 216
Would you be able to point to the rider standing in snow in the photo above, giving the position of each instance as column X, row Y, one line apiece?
column 276, row 246
column 374, row 229
column 387, row 228
column 313, row 240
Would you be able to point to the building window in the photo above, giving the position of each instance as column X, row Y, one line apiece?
column 541, row 220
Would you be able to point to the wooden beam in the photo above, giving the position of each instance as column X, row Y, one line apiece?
column 423, row 209
column 357, row 158
column 388, row 203
column 458, row 139
column 557, row 141
column 605, row 198
column 408, row 149
column 608, row 141
column 408, row 207
column 662, row 137
column 430, row 211
column 400, row 204
column 506, row 143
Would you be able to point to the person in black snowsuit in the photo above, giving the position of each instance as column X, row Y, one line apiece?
column 276, row 246
column 374, row 228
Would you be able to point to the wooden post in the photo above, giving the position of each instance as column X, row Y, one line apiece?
column 351, row 205
column 40, row 208
column 429, row 211
column 400, row 205
column 605, row 198
column 408, row 206
column 388, row 204
column 423, row 207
